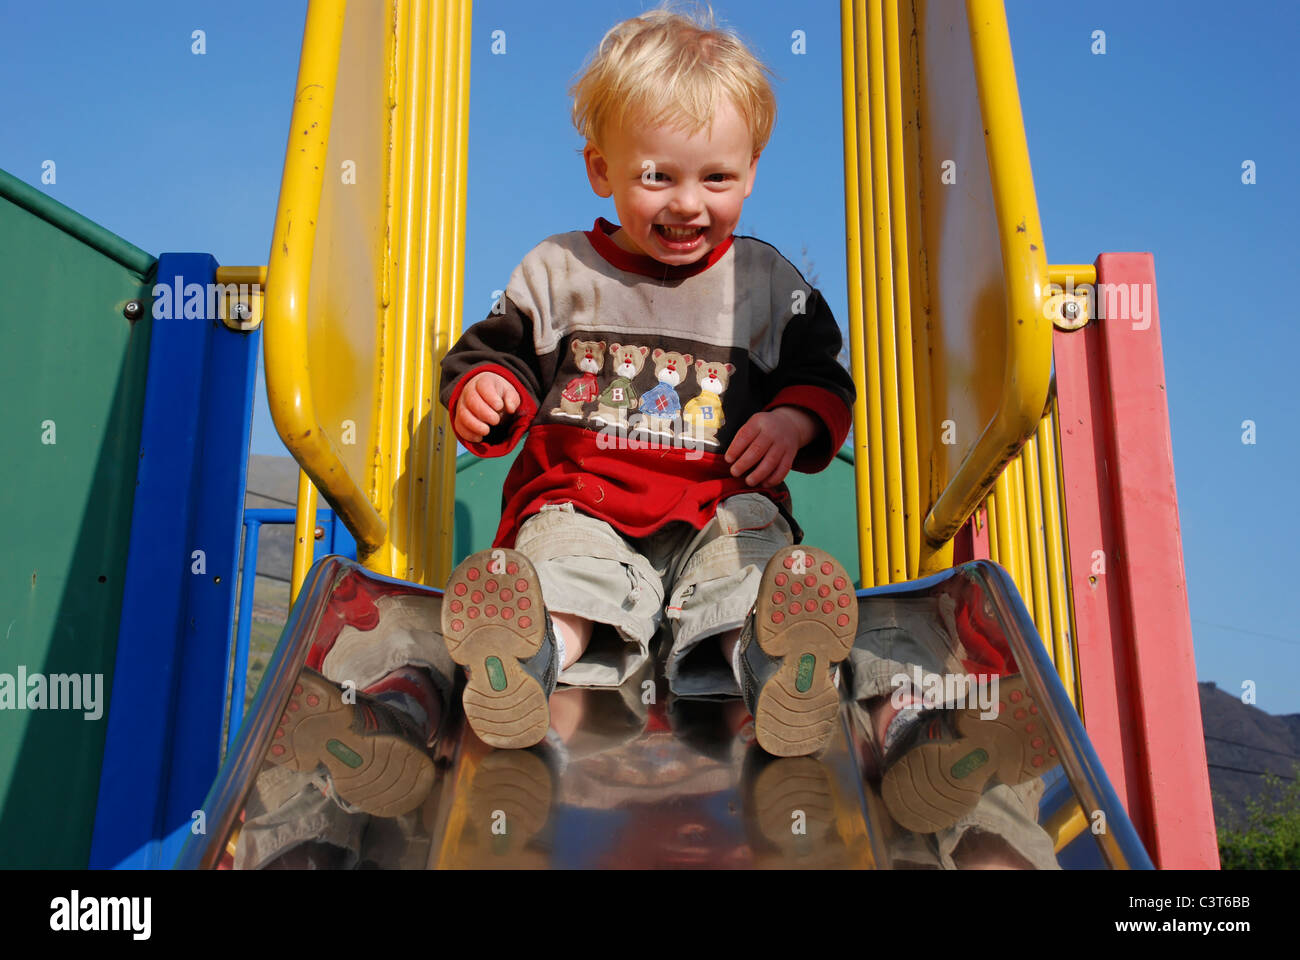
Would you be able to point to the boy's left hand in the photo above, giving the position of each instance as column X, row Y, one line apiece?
column 770, row 439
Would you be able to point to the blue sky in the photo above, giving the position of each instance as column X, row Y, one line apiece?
column 1139, row 149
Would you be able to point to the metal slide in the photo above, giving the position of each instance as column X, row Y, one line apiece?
column 634, row 777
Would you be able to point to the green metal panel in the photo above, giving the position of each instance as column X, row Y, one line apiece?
column 73, row 369
column 478, row 506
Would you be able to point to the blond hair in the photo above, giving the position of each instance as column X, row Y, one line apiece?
column 665, row 68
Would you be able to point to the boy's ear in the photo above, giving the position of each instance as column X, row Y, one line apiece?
column 753, row 172
column 597, row 170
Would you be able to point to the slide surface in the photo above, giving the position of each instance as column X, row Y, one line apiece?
column 634, row 777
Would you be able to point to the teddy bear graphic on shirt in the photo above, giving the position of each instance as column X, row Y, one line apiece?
column 660, row 406
column 589, row 355
column 702, row 415
column 620, row 396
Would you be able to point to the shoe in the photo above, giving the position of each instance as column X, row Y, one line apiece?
column 802, row 625
column 497, row 628
column 374, row 753
column 937, row 770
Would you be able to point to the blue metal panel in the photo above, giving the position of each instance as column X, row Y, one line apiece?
column 164, row 729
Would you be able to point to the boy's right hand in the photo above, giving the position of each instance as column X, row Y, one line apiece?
column 486, row 401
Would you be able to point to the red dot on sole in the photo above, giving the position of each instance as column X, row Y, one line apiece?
column 471, row 573
column 778, row 597
column 781, row 579
column 1016, row 696
column 512, row 568
column 788, row 562
column 278, row 750
column 458, row 624
column 294, row 706
column 279, row 733
column 810, row 605
column 312, row 700
column 525, row 622
column 796, row 588
column 827, row 606
column 490, row 586
column 521, row 585
column 810, row 581
column 1037, row 761
column 794, row 607
column 827, row 568
column 842, row 619
column 524, row 603
column 844, row 600
column 507, row 596
column 472, row 613
column 490, row 610
column 840, row 583
column 460, row 589
column 477, row 596
column 778, row 616
column 457, row 606
column 507, row 613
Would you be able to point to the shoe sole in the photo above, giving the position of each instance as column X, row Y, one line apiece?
column 788, row 786
column 934, row 785
column 808, row 620
column 492, row 619
column 383, row 774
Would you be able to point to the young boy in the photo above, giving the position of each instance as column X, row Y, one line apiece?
column 668, row 376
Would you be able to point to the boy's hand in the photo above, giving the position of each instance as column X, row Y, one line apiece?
column 770, row 439
column 480, row 406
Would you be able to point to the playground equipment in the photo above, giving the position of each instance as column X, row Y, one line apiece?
column 1009, row 411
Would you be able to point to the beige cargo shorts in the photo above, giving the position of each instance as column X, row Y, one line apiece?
column 699, row 582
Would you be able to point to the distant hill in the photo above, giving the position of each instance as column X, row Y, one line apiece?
column 1242, row 742
column 273, row 482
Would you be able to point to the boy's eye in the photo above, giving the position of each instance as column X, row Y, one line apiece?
column 718, row 177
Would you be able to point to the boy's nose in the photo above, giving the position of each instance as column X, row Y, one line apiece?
column 685, row 202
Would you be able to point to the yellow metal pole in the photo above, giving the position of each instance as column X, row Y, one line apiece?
column 387, row 389
column 862, row 439
column 414, row 43
column 422, row 334
column 888, row 351
column 438, row 532
column 1020, row 530
column 871, row 329
column 912, row 515
column 304, row 535
column 1054, row 546
column 1037, row 548
column 1008, row 550
column 1076, row 688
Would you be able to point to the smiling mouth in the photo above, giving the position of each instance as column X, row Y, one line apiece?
column 678, row 234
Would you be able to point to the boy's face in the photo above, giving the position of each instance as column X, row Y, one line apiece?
column 677, row 196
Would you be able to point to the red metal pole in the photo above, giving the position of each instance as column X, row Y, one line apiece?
column 1136, row 664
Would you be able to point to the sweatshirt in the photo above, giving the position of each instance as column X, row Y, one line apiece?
column 580, row 313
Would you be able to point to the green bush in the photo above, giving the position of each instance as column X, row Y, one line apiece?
column 1270, row 837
